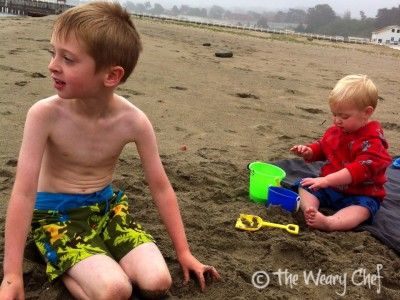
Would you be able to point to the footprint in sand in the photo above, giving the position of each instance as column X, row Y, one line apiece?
column 5, row 176
column 243, row 69
column 211, row 153
column 130, row 91
column 311, row 110
column 390, row 126
column 288, row 114
column 11, row 69
column 246, row 96
column 230, row 131
column 294, row 92
column 277, row 77
column 37, row 75
column 285, row 138
column 6, row 173
column 262, row 129
column 12, row 162
column 21, row 83
column 177, row 128
column 179, row 88
column 15, row 51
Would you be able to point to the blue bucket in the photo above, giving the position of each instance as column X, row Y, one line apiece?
column 285, row 198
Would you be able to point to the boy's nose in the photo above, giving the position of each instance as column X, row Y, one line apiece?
column 336, row 120
column 53, row 66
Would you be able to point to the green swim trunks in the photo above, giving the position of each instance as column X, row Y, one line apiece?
column 68, row 228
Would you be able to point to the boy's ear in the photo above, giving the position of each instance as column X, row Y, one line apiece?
column 369, row 110
column 114, row 76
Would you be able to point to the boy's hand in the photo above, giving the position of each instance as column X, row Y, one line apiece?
column 12, row 288
column 315, row 183
column 190, row 263
column 303, row 151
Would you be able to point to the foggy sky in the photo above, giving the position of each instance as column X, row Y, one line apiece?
column 370, row 7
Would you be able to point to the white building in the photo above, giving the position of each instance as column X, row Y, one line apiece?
column 389, row 35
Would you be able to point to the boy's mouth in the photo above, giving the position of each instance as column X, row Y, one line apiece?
column 58, row 84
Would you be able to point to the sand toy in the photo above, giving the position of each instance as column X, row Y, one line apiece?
column 262, row 176
column 396, row 163
column 285, row 198
column 253, row 223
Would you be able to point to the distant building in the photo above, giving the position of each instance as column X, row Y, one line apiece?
column 389, row 35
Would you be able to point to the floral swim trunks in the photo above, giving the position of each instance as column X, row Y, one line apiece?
column 68, row 228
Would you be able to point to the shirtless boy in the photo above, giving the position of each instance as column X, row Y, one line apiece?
column 71, row 144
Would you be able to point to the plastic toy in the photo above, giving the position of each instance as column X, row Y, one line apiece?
column 254, row 223
column 396, row 163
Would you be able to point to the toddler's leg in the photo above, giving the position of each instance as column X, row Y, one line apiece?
column 345, row 219
column 308, row 203
column 98, row 277
column 146, row 268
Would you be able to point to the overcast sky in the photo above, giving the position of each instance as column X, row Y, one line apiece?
column 370, row 7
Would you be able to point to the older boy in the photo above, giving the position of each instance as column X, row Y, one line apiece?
column 351, row 181
column 69, row 151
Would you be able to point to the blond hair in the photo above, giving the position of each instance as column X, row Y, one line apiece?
column 107, row 32
column 357, row 90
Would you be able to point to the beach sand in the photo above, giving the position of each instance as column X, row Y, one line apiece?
column 212, row 117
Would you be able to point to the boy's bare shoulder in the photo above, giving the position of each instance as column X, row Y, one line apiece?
column 45, row 106
column 130, row 111
column 131, row 121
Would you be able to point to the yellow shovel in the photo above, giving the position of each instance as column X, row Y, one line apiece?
column 253, row 223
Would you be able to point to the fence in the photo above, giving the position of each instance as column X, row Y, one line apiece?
column 354, row 40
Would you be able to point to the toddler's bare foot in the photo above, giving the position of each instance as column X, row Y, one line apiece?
column 315, row 219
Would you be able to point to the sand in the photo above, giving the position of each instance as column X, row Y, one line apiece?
column 213, row 116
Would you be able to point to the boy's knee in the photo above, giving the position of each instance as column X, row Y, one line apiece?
column 156, row 286
column 115, row 289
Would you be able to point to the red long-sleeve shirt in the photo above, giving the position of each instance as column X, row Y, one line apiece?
column 364, row 154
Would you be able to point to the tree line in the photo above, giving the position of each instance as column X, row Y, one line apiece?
column 320, row 19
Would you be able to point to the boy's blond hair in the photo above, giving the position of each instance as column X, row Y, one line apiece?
column 358, row 90
column 107, row 32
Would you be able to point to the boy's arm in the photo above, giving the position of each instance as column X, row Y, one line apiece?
column 20, row 207
column 341, row 177
column 166, row 202
column 370, row 159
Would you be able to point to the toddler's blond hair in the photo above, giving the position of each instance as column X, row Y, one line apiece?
column 358, row 90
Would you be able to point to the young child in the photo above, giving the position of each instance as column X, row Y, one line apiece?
column 69, row 151
column 355, row 151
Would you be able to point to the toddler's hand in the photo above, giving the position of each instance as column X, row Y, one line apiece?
column 315, row 183
column 303, row 151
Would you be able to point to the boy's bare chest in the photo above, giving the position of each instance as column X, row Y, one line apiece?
column 87, row 143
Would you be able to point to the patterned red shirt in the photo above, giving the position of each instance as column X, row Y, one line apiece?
column 364, row 153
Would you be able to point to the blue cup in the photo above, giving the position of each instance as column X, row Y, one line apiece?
column 284, row 198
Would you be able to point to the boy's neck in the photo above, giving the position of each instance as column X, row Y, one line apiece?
column 94, row 107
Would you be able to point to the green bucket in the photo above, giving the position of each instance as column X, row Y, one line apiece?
column 262, row 176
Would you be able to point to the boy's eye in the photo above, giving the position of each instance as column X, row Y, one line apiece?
column 68, row 59
column 51, row 51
